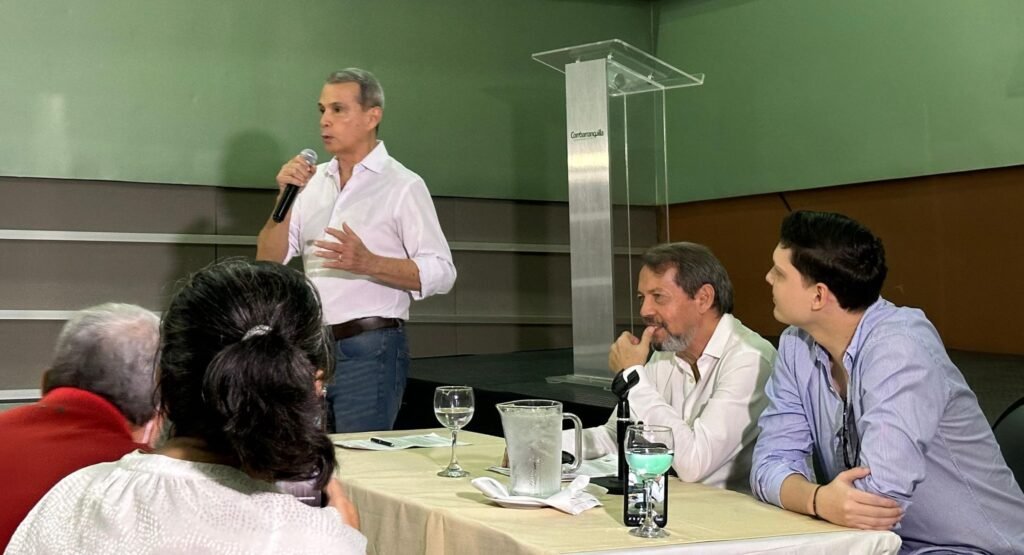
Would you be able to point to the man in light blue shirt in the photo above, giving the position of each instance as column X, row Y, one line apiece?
column 866, row 389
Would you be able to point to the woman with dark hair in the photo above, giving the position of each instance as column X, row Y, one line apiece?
column 243, row 356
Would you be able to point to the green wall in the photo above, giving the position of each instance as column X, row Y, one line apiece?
column 799, row 93
column 811, row 93
column 222, row 92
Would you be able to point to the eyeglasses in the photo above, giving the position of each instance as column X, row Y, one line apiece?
column 850, row 437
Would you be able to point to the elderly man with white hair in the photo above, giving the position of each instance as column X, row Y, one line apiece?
column 97, row 406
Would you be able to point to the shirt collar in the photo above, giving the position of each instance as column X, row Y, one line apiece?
column 72, row 396
column 716, row 344
column 374, row 161
column 859, row 335
column 720, row 337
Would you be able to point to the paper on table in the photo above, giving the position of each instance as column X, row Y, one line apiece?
column 607, row 465
column 399, row 442
column 572, row 499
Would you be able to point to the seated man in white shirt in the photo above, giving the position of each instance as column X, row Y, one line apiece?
column 706, row 378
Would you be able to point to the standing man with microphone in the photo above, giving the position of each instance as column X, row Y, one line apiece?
column 370, row 241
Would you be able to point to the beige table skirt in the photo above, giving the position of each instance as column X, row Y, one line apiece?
column 405, row 508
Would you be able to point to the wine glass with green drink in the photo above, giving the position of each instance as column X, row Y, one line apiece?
column 649, row 452
column 453, row 406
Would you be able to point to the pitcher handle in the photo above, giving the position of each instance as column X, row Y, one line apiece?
column 578, row 453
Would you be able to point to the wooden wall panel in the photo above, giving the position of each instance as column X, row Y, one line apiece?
column 952, row 244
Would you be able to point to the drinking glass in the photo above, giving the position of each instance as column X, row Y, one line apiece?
column 649, row 452
column 453, row 406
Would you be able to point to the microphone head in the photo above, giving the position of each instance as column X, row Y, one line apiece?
column 309, row 155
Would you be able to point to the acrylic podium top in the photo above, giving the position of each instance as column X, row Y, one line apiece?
column 630, row 70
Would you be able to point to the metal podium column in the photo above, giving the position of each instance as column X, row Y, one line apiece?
column 590, row 217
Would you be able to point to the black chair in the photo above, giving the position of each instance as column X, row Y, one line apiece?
column 1009, row 432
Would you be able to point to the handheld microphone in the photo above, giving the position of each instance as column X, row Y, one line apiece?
column 288, row 197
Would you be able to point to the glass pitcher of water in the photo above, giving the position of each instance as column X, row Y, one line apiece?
column 533, row 436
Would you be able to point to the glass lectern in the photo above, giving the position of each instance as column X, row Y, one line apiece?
column 593, row 73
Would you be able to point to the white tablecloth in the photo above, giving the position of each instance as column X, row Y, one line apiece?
column 405, row 508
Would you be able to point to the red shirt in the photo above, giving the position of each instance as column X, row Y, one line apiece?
column 41, row 443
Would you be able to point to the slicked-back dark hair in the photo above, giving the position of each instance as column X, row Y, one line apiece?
column 695, row 265
column 241, row 344
column 838, row 251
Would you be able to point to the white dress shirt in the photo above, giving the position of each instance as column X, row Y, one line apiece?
column 155, row 504
column 389, row 208
column 714, row 420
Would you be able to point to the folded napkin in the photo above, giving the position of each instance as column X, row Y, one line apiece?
column 572, row 499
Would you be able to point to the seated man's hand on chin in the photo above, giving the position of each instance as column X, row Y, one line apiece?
column 629, row 350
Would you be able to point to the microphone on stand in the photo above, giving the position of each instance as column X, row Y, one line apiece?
column 620, row 387
column 290, row 191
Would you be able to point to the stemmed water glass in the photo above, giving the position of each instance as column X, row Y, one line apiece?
column 453, row 406
column 649, row 452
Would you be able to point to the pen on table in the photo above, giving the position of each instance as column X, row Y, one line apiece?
column 381, row 442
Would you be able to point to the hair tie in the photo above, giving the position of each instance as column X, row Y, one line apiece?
column 256, row 331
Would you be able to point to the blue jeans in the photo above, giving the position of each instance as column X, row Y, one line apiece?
column 369, row 380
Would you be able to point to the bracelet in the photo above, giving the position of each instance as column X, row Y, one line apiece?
column 814, row 502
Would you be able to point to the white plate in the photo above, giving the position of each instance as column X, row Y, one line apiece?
column 505, row 471
column 513, row 503
column 496, row 491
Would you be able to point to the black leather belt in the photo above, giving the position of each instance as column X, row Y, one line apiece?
column 355, row 327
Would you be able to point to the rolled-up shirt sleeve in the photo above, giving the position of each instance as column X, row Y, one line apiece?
column 294, row 236
column 785, row 443
column 424, row 241
column 295, row 230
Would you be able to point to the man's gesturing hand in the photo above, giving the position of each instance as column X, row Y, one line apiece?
column 347, row 253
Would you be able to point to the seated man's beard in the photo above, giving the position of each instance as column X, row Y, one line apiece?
column 674, row 343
